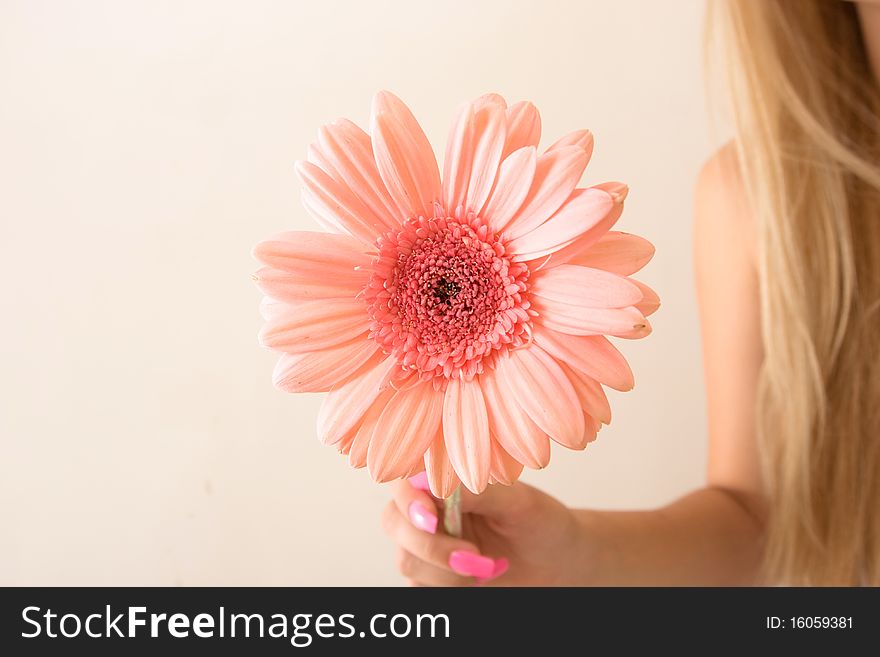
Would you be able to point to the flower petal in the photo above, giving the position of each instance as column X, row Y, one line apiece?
column 330, row 201
column 456, row 163
column 466, row 430
column 617, row 252
column 580, row 138
column 314, row 325
column 304, row 286
column 404, row 156
column 404, row 431
column 503, row 468
column 473, row 154
column 343, row 445
column 593, row 355
column 556, row 175
column 325, row 217
column 514, row 181
column 542, row 389
column 490, row 99
column 360, row 444
column 523, row 127
column 638, row 331
column 561, row 306
column 584, row 209
column 307, row 265
column 583, row 287
column 345, row 152
column 345, row 405
column 511, row 426
column 650, row 301
column 591, row 430
column 594, row 401
column 489, row 132
column 580, row 319
column 441, row 475
column 618, row 193
column 323, row 254
column 318, row 371
column 272, row 308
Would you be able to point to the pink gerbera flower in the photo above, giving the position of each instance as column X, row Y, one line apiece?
column 457, row 322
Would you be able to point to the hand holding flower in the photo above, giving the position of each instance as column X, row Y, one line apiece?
column 513, row 536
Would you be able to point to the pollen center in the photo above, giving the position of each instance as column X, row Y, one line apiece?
column 446, row 290
column 444, row 298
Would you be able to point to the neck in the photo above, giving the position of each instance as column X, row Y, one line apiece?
column 869, row 17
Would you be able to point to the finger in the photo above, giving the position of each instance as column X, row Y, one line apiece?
column 417, row 505
column 440, row 550
column 421, row 573
column 432, row 548
column 499, row 501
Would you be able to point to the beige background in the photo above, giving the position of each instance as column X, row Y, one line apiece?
column 146, row 146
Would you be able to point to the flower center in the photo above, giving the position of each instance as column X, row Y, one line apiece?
column 444, row 298
column 445, row 290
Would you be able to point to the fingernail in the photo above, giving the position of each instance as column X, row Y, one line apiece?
column 422, row 518
column 420, row 481
column 501, row 566
column 471, row 564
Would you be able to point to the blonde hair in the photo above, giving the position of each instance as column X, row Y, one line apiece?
column 805, row 105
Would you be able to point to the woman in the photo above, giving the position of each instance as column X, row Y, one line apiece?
column 787, row 239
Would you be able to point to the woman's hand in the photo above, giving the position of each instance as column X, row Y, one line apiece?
column 513, row 536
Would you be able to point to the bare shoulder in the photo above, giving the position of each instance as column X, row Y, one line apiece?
column 722, row 216
column 728, row 295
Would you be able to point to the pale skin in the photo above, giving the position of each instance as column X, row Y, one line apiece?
column 711, row 536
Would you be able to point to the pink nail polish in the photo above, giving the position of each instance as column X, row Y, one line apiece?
column 501, row 566
column 420, row 481
column 422, row 518
column 471, row 564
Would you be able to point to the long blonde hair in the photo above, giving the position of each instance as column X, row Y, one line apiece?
column 806, row 111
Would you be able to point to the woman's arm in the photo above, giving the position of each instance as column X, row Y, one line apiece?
column 711, row 536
